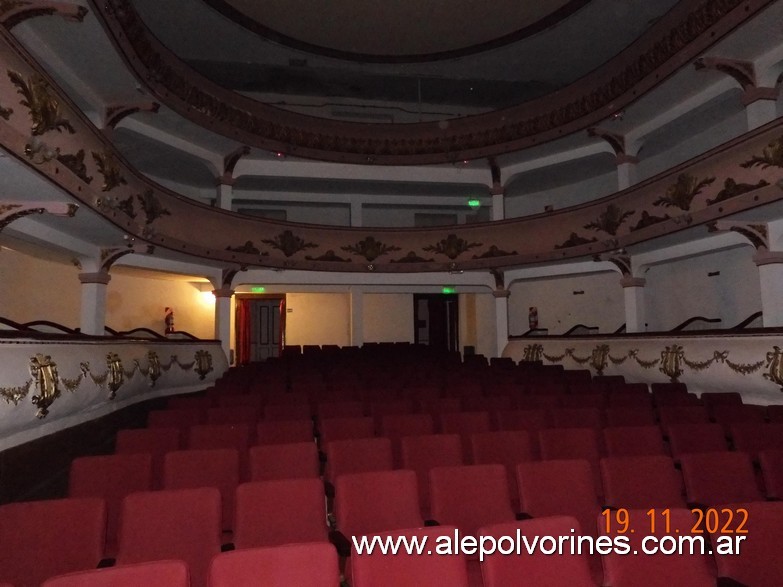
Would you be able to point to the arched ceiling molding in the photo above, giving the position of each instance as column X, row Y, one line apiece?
column 741, row 174
column 14, row 12
column 115, row 113
column 676, row 39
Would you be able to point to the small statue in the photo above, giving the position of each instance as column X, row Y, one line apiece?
column 169, row 320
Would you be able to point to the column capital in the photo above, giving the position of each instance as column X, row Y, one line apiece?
column 629, row 281
column 97, row 277
column 754, row 94
column 501, row 293
column 223, row 292
column 765, row 257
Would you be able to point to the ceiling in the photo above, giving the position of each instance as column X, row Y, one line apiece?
column 363, row 62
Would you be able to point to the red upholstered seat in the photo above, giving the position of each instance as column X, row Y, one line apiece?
column 284, row 461
column 173, row 573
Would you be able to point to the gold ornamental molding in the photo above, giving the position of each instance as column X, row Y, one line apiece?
column 36, row 120
column 11, row 211
column 678, row 38
column 673, row 361
column 48, row 383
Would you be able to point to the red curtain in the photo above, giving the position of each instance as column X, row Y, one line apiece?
column 242, row 326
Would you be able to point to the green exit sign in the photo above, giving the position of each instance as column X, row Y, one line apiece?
column 449, row 289
column 258, row 289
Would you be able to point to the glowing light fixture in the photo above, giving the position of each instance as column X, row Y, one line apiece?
column 449, row 289
column 258, row 289
column 474, row 203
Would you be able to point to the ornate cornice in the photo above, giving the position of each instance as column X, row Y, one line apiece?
column 13, row 12
column 678, row 38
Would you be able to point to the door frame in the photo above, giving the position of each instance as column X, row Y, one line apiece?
column 259, row 297
column 452, row 327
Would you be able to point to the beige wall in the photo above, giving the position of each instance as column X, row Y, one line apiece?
column 318, row 318
column 388, row 318
column 33, row 289
column 133, row 302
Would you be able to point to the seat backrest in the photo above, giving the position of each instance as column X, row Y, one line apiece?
column 630, row 441
column 341, row 409
column 380, row 570
column 332, row 429
column 422, row 453
column 395, row 426
column 218, row 468
column 292, row 565
column 714, row 478
column 756, row 559
column 297, row 460
column 183, row 524
column 358, row 455
column 287, row 411
column 569, row 443
column 155, row 441
column 271, row 513
column 752, row 438
column 171, row 573
column 181, row 419
column 559, row 570
column 659, row 569
column 249, row 415
column 212, row 436
column 695, row 438
column 724, row 398
column 544, row 491
column 669, row 415
column 641, row 481
column 771, row 461
column 470, row 496
column 41, row 539
column 284, row 431
column 618, row 416
column 465, row 424
column 375, row 502
column 110, row 477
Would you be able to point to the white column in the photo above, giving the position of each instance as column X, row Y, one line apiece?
column 356, row 212
column 626, row 171
column 770, row 266
column 635, row 314
column 225, row 195
column 501, row 319
column 760, row 112
column 223, row 319
column 498, row 206
column 357, row 317
column 93, row 306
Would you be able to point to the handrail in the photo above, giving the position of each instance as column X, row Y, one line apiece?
column 693, row 320
column 752, row 318
column 576, row 327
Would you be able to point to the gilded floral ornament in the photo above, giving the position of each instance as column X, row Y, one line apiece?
column 771, row 156
column 152, row 207
column 44, row 373
column 330, row 256
column 452, row 246
column 108, row 168
column 731, row 188
column 774, row 366
column 203, row 363
column 646, row 219
column 116, row 374
column 533, row 353
column 288, row 243
column 681, row 193
column 412, row 257
column 610, row 220
column 370, row 249
column 76, row 164
column 671, row 362
column 574, row 240
column 598, row 358
column 13, row 395
column 248, row 248
column 44, row 107
column 494, row 251
column 153, row 367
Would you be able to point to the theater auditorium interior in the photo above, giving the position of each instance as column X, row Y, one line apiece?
column 281, row 279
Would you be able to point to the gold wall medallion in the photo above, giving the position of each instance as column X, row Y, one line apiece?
column 533, row 353
column 775, row 366
column 116, row 374
column 203, row 363
column 44, row 373
column 671, row 362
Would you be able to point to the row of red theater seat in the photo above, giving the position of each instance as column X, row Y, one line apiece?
column 185, row 524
